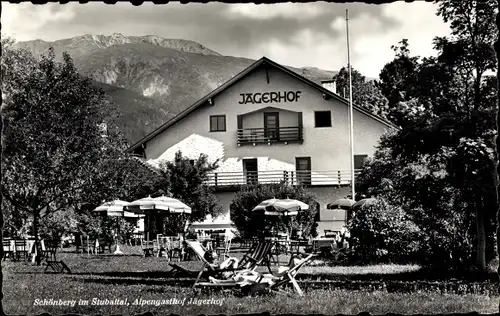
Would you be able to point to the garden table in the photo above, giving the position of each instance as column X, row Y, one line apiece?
column 323, row 242
column 28, row 246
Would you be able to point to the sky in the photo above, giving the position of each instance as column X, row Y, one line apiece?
column 292, row 34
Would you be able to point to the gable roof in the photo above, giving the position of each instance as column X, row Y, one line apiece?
column 261, row 62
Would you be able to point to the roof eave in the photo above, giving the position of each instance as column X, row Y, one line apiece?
column 238, row 77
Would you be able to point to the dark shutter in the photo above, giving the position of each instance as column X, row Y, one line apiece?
column 240, row 122
column 359, row 161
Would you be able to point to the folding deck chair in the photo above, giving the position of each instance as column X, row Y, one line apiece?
column 260, row 254
column 273, row 281
column 248, row 262
column 288, row 276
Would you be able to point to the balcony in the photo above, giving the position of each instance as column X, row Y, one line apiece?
column 253, row 136
column 308, row 178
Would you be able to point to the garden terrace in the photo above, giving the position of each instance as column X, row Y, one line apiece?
column 401, row 289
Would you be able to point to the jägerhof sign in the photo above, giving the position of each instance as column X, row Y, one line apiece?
column 269, row 97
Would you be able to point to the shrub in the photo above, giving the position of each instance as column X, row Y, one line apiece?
column 57, row 224
column 382, row 233
column 250, row 224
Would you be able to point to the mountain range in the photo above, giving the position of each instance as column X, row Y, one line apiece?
column 150, row 79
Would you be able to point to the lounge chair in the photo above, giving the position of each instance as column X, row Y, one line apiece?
column 229, row 266
column 274, row 282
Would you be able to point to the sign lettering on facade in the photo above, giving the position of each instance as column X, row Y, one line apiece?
column 270, row 97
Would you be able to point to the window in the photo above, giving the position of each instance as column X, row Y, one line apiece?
column 218, row 123
column 303, row 168
column 323, row 118
column 359, row 161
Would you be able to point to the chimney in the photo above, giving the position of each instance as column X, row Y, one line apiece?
column 329, row 85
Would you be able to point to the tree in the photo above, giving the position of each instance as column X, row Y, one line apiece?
column 470, row 49
column 443, row 158
column 364, row 93
column 52, row 145
column 186, row 180
column 251, row 224
column 398, row 80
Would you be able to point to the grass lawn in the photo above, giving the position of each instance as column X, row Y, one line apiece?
column 132, row 277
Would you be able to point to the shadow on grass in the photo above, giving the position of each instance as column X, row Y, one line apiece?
column 139, row 280
column 140, row 274
column 419, row 275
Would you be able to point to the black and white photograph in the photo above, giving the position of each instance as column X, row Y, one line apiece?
column 240, row 158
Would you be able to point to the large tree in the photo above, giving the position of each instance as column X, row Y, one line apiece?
column 185, row 179
column 398, row 80
column 52, row 144
column 444, row 151
column 365, row 93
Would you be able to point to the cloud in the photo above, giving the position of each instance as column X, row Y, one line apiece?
column 294, row 34
column 263, row 12
column 25, row 21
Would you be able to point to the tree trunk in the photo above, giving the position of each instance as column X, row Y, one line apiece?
column 481, row 239
column 38, row 250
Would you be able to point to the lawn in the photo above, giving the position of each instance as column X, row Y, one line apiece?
column 142, row 284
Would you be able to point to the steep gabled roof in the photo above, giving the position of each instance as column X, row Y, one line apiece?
column 237, row 78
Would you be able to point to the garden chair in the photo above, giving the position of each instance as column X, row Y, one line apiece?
column 248, row 262
column 280, row 279
column 148, row 247
column 7, row 250
column 50, row 251
column 175, row 248
column 260, row 254
column 88, row 245
column 103, row 244
column 21, row 249
column 163, row 243
column 273, row 282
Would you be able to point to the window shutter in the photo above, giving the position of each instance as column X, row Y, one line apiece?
column 240, row 121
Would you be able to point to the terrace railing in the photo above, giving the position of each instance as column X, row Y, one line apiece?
column 251, row 136
column 331, row 177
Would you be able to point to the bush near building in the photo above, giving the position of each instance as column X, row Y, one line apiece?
column 250, row 224
column 382, row 233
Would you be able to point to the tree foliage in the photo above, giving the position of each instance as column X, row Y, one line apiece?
column 440, row 165
column 383, row 233
column 186, row 180
column 254, row 225
column 53, row 148
column 365, row 93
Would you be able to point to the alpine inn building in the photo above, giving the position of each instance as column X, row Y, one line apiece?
column 269, row 124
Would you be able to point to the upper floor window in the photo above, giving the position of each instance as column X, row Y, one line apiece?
column 359, row 161
column 323, row 119
column 218, row 123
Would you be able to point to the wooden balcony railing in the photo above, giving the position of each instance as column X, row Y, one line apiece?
column 251, row 136
column 331, row 177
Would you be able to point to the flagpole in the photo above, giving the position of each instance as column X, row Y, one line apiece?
column 351, row 133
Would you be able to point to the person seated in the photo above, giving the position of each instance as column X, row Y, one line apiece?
column 230, row 263
column 249, row 277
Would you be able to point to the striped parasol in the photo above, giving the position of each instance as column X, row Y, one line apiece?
column 115, row 208
column 345, row 204
column 362, row 202
column 158, row 204
column 287, row 207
